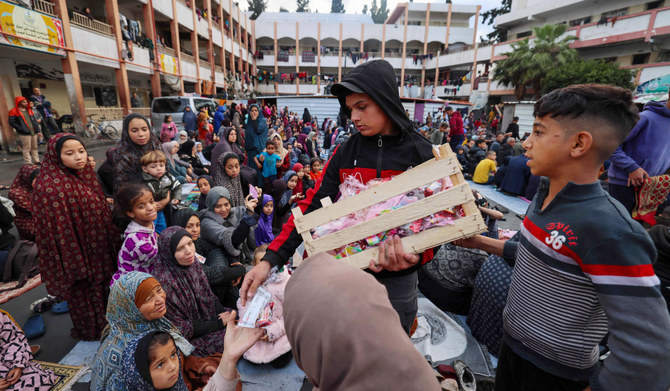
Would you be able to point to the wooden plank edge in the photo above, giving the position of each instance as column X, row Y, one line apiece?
column 464, row 227
column 451, row 197
column 403, row 183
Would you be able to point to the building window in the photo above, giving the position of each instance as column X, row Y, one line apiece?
column 580, row 21
column 88, row 91
column 653, row 5
column 610, row 59
column 640, row 59
column 614, row 13
column 663, row 56
column 524, row 34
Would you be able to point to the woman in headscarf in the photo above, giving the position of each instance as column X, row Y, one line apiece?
column 18, row 371
column 256, row 134
column 173, row 167
column 191, row 305
column 302, row 148
column 310, row 145
column 277, row 190
column 227, row 174
column 285, row 157
column 204, row 129
column 190, row 120
column 21, row 193
column 306, row 116
column 223, row 275
column 228, row 142
column 136, row 305
column 182, row 137
column 187, row 154
column 201, row 156
column 136, row 140
column 349, row 347
column 78, row 244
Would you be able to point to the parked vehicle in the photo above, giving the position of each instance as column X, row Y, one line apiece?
column 174, row 106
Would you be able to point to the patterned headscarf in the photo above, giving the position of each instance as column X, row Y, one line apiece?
column 126, row 322
column 21, row 193
column 78, row 240
column 133, row 378
column 128, row 154
column 234, row 185
column 189, row 296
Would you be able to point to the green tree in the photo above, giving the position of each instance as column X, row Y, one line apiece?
column 365, row 9
column 257, row 7
column 591, row 71
column 381, row 13
column 336, row 7
column 488, row 17
column 303, row 6
column 529, row 62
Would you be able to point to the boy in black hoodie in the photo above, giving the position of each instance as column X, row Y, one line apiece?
column 385, row 145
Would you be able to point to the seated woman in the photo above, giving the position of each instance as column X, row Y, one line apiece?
column 228, row 227
column 17, row 370
column 21, row 192
column 223, row 276
column 228, row 175
column 136, row 305
column 175, row 166
column 188, row 154
column 191, row 304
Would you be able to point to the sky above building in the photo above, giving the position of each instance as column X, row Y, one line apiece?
column 356, row 7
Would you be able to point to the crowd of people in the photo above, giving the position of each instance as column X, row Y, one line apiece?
column 160, row 283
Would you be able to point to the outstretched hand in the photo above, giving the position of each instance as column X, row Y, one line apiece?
column 392, row 257
column 239, row 339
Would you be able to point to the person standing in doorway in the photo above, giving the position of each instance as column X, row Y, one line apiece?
column 23, row 120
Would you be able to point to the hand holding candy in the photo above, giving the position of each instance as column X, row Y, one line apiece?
column 392, row 257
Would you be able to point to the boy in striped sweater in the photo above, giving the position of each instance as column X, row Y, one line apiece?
column 583, row 267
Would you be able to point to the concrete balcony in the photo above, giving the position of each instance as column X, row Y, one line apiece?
column 453, row 92
column 203, row 26
column 140, row 57
column 289, row 89
column 184, row 16
column 652, row 71
column 188, row 69
column 217, row 37
column 164, row 7
column 92, row 42
column 219, row 77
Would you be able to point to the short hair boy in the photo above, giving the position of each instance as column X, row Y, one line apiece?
column 268, row 161
column 583, row 267
column 485, row 168
column 155, row 175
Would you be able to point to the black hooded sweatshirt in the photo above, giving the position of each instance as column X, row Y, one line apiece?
column 365, row 157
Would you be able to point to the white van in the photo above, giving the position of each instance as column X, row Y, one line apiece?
column 174, row 106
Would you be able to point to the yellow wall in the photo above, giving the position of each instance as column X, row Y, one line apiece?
column 56, row 93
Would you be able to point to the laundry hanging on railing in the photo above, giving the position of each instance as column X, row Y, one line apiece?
column 308, row 56
column 418, row 57
column 282, row 56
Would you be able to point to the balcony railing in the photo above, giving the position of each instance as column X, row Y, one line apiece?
column 91, row 24
column 145, row 111
column 168, row 51
column 204, row 64
column 187, row 57
column 110, row 113
column 44, row 7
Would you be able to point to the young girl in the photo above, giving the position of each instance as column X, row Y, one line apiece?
column 168, row 129
column 135, row 202
column 136, row 140
column 152, row 360
column 307, row 181
column 205, row 129
column 187, row 153
column 77, row 241
column 298, row 169
column 205, row 183
column 276, row 349
column 201, row 156
column 263, row 230
column 175, row 166
column 315, row 165
column 229, row 227
column 228, row 176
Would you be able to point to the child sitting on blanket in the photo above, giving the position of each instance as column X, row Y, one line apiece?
column 276, row 350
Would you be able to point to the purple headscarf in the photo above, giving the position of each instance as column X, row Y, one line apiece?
column 263, row 230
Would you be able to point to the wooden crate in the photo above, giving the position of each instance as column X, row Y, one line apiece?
column 445, row 164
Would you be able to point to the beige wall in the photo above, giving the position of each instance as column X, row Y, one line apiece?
column 56, row 93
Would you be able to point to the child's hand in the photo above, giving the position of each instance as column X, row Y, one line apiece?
column 14, row 375
column 260, row 166
column 251, row 202
column 262, row 158
column 259, row 191
column 175, row 202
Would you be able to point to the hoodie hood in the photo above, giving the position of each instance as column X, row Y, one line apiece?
column 18, row 100
column 215, row 194
column 658, row 107
column 377, row 79
column 221, row 109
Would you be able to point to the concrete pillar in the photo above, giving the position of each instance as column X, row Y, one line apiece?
column 404, row 52
column 150, row 28
column 246, row 44
column 223, row 45
column 297, row 57
column 425, row 48
column 339, row 58
column 232, row 46
column 475, row 44
column 112, row 8
column 362, row 37
column 446, row 46
column 276, row 64
column 71, row 71
column 383, row 40
column 239, row 42
column 176, row 44
column 318, row 58
column 8, row 137
column 195, row 49
column 210, row 46
column 254, row 70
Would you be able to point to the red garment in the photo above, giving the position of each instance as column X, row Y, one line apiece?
column 77, row 242
column 21, row 195
column 456, row 124
column 204, row 130
column 315, row 175
column 15, row 112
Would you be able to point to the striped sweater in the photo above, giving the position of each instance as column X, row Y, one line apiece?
column 583, row 269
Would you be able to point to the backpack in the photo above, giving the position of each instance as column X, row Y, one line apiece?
column 22, row 263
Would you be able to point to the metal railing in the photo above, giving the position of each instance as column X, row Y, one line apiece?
column 44, row 6
column 91, row 24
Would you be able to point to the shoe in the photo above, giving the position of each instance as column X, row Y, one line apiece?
column 60, row 308
column 44, row 304
column 501, row 209
column 34, row 327
column 466, row 378
column 35, row 350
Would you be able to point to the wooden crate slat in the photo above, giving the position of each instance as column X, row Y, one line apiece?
column 409, row 180
column 418, row 243
column 306, row 235
column 445, row 199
